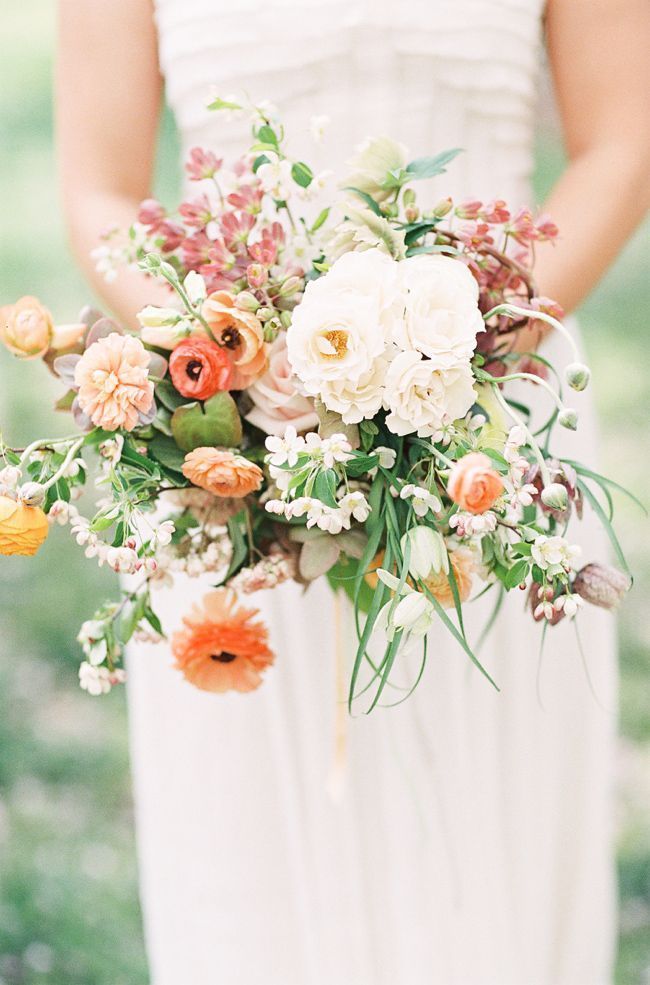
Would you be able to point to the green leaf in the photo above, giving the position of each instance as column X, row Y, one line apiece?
column 239, row 546
column 302, row 174
column 259, row 161
column 359, row 464
column 166, row 451
column 215, row 423
column 267, row 135
column 429, row 167
column 218, row 103
column 517, row 574
column 325, row 487
column 609, row 530
column 169, row 396
column 365, row 197
column 321, row 219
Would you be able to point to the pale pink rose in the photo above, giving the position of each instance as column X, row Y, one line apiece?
column 113, row 380
column 277, row 402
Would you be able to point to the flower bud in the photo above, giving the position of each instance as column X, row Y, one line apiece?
column 290, row 286
column 32, row 494
column 265, row 313
column 257, row 274
column 568, row 418
column 411, row 213
column 285, row 319
column 408, row 197
column 10, row 476
column 442, row 208
column 577, row 376
column 601, row 584
column 427, row 552
column 246, row 301
column 414, row 613
column 555, row 496
column 153, row 317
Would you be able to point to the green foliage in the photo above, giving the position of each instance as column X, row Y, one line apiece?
column 214, row 423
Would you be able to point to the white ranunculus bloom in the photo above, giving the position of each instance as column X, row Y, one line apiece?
column 442, row 315
column 421, row 397
column 345, row 320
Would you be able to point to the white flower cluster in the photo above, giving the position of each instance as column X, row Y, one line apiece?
column 518, row 493
column 550, row 609
column 200, row 558
column 325, row 451
column 267, row 573
column 468, row 525
column 374, row 332
column 330, row 519
column 99, row 680
column 555, row 555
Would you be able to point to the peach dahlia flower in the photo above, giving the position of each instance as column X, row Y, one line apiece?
column 113, row 380
column 222, row 647
column 221, row 472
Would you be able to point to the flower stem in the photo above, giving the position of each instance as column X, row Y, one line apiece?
column 72, row 451
column 503, row 403
column 513, row 309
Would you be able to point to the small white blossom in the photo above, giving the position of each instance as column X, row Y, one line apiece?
column 275, row 506
column 356, row 504
column 163, row 533
column 569, row 604
column 423, row 500
column 285, row 450
column 124, row 560
column 62, row 512
column 195, row 287
column 10, row 476
column 387, row 456
column 275, row 177
column 471, row 525
column 554, row 554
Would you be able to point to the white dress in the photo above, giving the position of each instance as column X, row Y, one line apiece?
column 471, row 842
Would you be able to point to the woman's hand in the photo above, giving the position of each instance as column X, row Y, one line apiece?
column 108, row 94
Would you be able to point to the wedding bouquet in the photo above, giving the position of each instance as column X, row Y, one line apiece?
column 326, row 393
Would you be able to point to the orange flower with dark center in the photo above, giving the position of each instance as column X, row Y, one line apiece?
column 242, row 334
column 222, row 646
column 199, row 368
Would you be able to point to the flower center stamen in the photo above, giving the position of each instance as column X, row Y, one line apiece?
column 230, row 337
column 193, row 369
column 224, row 657
column 334, row 344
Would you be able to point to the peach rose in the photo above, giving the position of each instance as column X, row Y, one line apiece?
column 113, row 380
column 26, row 328
column 463, row 564
column 474, row 484
column 241, row 333
column 199, row 368
column 221, row 472
column 277, row 402
column 22, row 528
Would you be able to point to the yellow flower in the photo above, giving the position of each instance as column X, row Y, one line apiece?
column 22, row 528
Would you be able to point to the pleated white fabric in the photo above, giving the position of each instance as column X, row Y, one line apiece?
column 471, row 844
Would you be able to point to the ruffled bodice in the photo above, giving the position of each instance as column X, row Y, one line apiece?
column 431, row 73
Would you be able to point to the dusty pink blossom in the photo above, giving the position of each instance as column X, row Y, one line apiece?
column 276, row 401
column 113, row 380
column 202, row 164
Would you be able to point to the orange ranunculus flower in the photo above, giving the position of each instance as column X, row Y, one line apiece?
column 474, row 484
column 26, row 328
column 242, row 335
column 199, row 368
column 22, row 528
column 463, row 564
column 222, row 647
column 221, row 472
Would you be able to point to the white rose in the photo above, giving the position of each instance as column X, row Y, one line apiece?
column 276, row 400
column 357, row 400
column 344, row 320
column 421, row 396
column 442, row 315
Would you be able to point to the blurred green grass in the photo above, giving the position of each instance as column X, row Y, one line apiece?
column 68, row 898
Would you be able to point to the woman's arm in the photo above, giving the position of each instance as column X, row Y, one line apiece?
column 108, row 94
column 598, row 51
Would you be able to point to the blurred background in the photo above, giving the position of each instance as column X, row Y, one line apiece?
column 68, row 896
